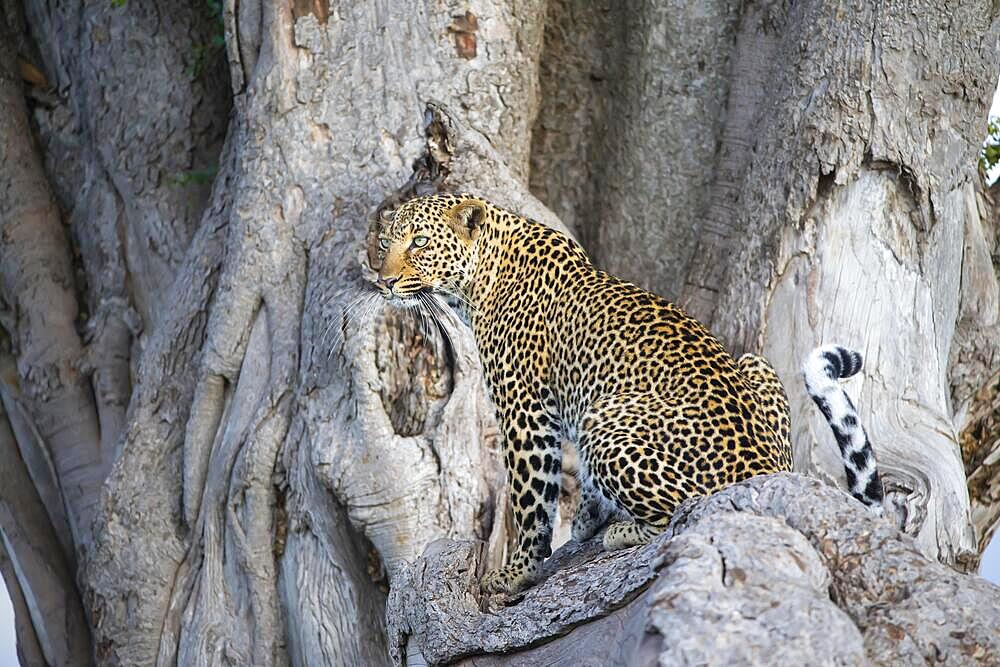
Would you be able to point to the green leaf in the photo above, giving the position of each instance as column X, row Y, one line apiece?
column 194, row 176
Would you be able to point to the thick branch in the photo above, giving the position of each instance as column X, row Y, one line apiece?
column 753, row 567
column 29, row 649
column 44, row 580
column 37, row 286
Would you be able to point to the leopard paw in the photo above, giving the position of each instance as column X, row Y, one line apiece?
column 509, row 580
column 586, row 523
column 623, row 534
column 591, row 514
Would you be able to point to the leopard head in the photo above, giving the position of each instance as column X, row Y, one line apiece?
column 426, row 245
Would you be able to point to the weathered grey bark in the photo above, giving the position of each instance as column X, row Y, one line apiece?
column 777, row 570
column 630, row 126
column 121, row 126
column 37, row 571
column 842, row 204
column 38, row 291
column 861, row 212
column 29, row 650
column 976, row 355
column 275, row 451
column 304, row 461
column 148, row 113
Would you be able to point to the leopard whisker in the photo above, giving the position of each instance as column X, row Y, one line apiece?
column 462, row 300
column 434, row 309
column 358, row 310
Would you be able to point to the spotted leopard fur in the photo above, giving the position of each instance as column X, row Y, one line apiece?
column 658, row 410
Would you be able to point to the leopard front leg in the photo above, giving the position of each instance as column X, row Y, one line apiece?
column 533, row 461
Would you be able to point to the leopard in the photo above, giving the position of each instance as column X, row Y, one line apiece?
column 657, row 409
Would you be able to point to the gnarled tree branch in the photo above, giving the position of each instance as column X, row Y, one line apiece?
column 779, row 568
column 37, row 284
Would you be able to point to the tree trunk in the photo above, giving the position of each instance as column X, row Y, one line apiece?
column 224, row 451
column 831, row 209
column 862, row 219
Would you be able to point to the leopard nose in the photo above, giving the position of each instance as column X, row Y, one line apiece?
column 388, row 282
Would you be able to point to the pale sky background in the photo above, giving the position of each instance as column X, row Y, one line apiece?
column 8, row 645
column 989, row 567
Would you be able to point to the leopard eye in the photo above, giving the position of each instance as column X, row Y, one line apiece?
column 383, row 243
column 420, row 241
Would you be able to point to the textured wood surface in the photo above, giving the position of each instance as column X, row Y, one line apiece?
column 780, row 569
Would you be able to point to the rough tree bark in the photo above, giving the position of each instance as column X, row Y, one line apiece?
column 777, row 570
column 976, row 356
column 223, row 451
column 836, row 198
column 868, row 220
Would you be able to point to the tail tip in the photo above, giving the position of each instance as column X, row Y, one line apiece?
column 834, row 361
column 851, row 361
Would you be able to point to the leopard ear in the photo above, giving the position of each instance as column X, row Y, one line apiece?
column 468, row 216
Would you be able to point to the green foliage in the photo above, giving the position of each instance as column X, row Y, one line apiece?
column 989, row 154
column 194, row 176
column 203, row 54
